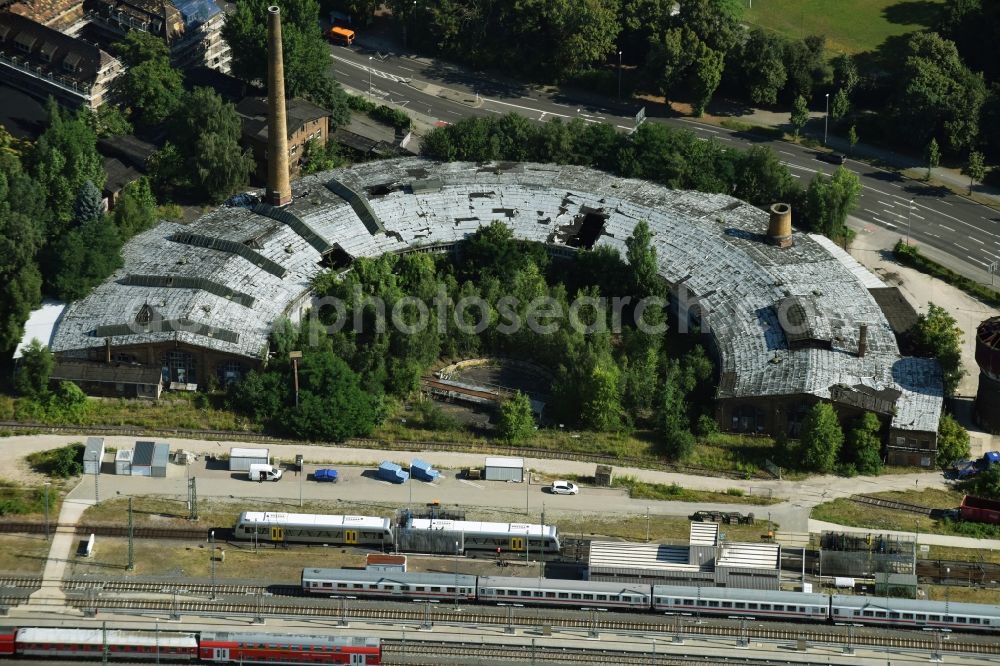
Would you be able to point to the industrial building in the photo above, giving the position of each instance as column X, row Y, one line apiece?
column 705, row 560
column 201, row 299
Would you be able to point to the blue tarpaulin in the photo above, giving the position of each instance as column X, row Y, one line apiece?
column 423, row 471
column 390, row 471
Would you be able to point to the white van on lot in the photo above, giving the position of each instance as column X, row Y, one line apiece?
column 260, row 472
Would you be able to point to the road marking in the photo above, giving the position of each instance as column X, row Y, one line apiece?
column 795, row 175
column 953, row 218
column 899, row 215
column 981, row 263
column 340, row 72
column 888, row 194
column 796, row 166
column 869, row 210
column 972, row 238
column 499, row 112
column 962, row 248
column 787, row 153
column 407, row 68
column 881, row 221
column 948, row 228
column 525, row 108
column 885, row 203
column 945, row 202
column 699, row 126
column 919, row 217
column 454, row 113
column 934, row 235
column 470, row 483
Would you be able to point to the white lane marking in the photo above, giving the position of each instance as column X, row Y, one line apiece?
column 973, row 238
column 470, row 483
column 899, row 215
column 795, row 175
column 567, row 106
column 340, row 72
column 934, row 235
column 786, row 152
column 962, row 248
column 888, row 194
column 375, row 72
column 796, row 166
column 869, row 210
column 699, row 125
column 880, row 221
column 525, row 108
column 406, row 68
column 952, row 217
column 946, row 227
column 945, row 202
column 498, row 112
column 981, row 263
column 454, row 113
column 919, row 217
column 885, row 203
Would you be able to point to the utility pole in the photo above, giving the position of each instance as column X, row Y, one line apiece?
column 193, row 498
column 131, row 540
column 527, row 483
column 104, row 642
column 909, row 208
column 619, row 74
column 456, row 575
column 296, row 355
column 369, row 78
column 97, row 473
column 647, row 524
column 826, row 118
column 211, row 537
column 47, row 484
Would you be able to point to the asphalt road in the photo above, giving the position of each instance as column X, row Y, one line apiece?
column 930, row 216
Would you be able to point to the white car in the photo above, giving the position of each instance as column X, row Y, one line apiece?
column 564, row 488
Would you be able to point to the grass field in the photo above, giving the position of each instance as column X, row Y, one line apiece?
column 23, row 553
column 850, row 26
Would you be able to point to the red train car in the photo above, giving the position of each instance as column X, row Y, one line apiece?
column 8, row 636
column 980, row 509
column 234, row 648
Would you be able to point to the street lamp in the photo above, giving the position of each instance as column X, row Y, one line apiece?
column 97, row 473
column 619, row 74
column 211, row 537
column 296, row 355
column 370, row 78
column 909, row 208
column 826, row 118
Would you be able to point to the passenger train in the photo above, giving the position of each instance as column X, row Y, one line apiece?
column 377, row 532
column 638, row 597
column 198, row 648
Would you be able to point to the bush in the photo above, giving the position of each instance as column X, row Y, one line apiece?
column 359, row 103
column 395, row 117
column 734, row 492
column 706, row 426
column 63, row 462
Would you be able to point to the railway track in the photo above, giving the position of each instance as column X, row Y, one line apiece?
column 200, row 589
column 221, row 533
column 892, row 504
column 446, row 615
column 431, row 653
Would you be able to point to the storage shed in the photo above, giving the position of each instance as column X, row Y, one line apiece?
column 150, row 459
column 123, row 462
column 241, row 459
column 504, row 469
column 93, row 454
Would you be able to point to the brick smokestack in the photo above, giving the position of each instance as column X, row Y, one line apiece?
column 862, row 340
column 279, row 192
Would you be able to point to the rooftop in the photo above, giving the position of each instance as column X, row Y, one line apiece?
column 55, row 55
column 711, row 244
column 298, row 112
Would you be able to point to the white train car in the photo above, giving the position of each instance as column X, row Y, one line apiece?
column 740, row 602
column 505, row 537
column 52, row 642
column 565, row 593
column 386, row 585
column 313, row 528
column 911, row 614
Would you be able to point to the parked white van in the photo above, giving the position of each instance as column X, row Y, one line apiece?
column 260, row 472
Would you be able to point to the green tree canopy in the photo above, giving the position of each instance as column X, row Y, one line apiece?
column 937, row 335
column 150, row 86
column 136, row 209
column 822, row 439
column 517, row 422
column 34, row 370
column 305, row 53
column 829, row 200
column 675, row 427
column 864, row 446
column 332, row 406
column 760, row 68
column 89, row 205
column 953, row 441
column 800, row 114
column 84, row 257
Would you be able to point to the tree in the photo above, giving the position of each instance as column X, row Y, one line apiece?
column 23, row 218
column 933, row 157
column 208, row 130
column 675, row 427
column 852, row 137
column 332, row 406
column 986, row 483
column 840, row 106
column 800, row 115
column 517, row 422
column 829, row 200
column 937, row 335
column 305, row 54
column 845, row 73
column 641, row 257
column 601, row 409
column 109, row 120
column 864, row 447
column 89, row 205
column 953, row 441
column 761, row 178
column 136, row 209
column 150, row 85
column 84, row 257
column 670, row 58
column 975, row 169
column 821, row 438
column 937, row 95
column 761, row 67
column 34, row 370
column 708, row 66
column 805, row 64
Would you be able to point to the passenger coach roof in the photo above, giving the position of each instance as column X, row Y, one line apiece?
column 739, row 594
column 96, row 637
column 313, row 520
column 513, row 529
column 408, row 578
column 557, row 584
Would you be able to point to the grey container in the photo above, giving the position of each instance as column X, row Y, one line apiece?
column 161, row 456
column 93, row 455
column 505, row 469
column 142, row 459
column 240, row 459
column 123, row 462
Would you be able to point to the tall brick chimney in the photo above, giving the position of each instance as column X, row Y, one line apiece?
column 279, row 192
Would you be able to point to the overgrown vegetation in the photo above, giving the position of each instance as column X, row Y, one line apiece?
column 62, row 463
column 673, row 492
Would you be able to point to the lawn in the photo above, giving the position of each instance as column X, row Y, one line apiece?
column 847, row 512
column 850, row 26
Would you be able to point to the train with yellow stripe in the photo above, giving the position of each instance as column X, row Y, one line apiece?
column 378, row 532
